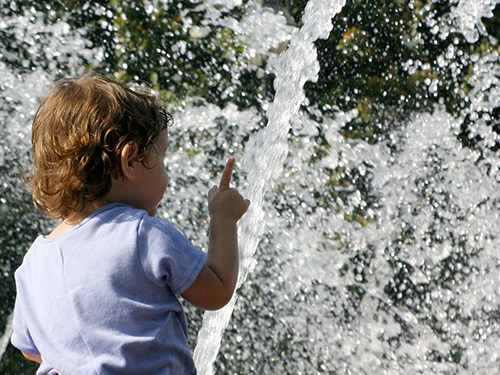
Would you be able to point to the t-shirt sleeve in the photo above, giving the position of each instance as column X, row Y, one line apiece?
column 21, row 337
column 168, row 258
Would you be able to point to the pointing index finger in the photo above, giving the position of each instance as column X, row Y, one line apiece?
column 225, row 180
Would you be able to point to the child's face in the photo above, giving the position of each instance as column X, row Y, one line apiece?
column 153, row 179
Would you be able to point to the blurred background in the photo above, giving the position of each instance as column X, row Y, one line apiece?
column 381, row 250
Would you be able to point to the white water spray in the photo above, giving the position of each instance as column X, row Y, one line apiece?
column 265, row 154
column 319, row 298
column 4, row 340
column 467, row 15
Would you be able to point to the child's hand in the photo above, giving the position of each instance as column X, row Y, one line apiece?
column 226, row 202
column 214, row 286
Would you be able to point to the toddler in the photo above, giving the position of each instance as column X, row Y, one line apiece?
column 98, row 294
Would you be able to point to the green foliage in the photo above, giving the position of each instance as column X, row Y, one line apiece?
column 178, row 57
column 384, row 59
column 165, row 47
column 13, row 362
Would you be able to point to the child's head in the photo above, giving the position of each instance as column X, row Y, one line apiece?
column 79, row 132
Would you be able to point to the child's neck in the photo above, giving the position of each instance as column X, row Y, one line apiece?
column 120, row 192
column 75, row 218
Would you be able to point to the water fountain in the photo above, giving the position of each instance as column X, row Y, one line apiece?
column 374, row 256
column 265, row 155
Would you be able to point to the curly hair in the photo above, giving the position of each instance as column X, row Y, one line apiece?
column 79, row 132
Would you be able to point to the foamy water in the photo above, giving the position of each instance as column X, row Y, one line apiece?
column 373, row 259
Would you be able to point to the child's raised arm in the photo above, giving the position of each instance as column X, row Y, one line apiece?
column 214, row 286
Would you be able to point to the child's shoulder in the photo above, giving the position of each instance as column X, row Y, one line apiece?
column 124, row 214
column 117, row 213
column 114, row 214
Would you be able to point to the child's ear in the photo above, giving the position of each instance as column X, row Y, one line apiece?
column 128, row 162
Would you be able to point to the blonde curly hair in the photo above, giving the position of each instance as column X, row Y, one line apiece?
column 79, row 132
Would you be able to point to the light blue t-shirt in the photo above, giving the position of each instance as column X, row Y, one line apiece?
column 100, row 299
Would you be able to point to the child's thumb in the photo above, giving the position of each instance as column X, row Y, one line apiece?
column 212, row 191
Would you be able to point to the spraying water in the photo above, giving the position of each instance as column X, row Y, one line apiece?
column 374, row 257
column 265, row 155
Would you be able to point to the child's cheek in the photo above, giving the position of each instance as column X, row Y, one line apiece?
column 166, row 179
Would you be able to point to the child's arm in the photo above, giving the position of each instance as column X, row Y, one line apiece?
column 214, row 286
column 32, row 357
